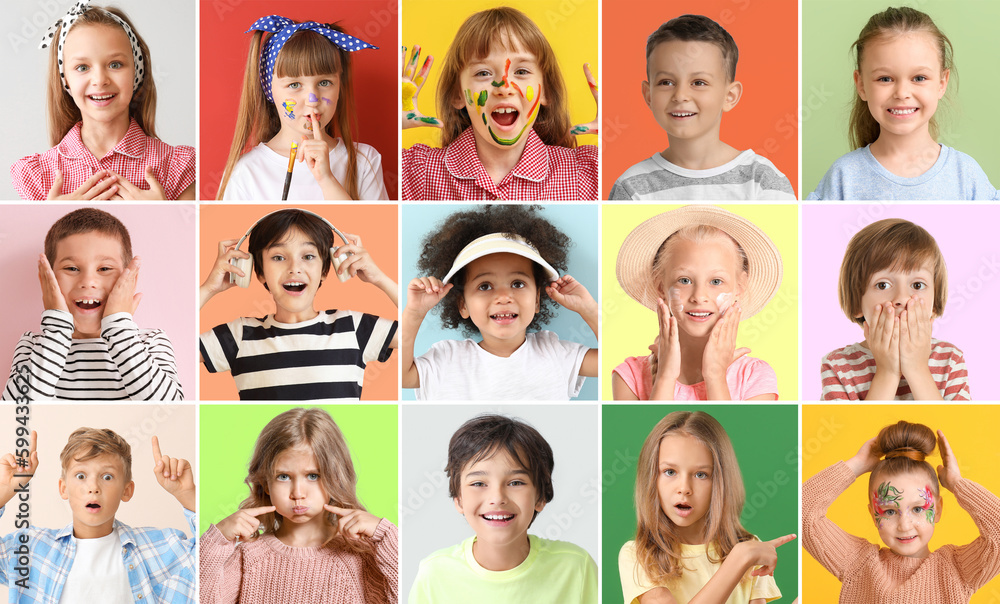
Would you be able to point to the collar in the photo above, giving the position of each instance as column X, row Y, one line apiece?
column 124, row 532
column 133, row 144
column 462, row 161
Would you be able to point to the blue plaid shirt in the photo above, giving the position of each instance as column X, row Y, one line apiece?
column 160, row 563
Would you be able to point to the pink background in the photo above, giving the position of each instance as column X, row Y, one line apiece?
column 968, row 240
column 164, row 236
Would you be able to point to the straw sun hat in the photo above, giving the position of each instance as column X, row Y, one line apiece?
column 635, row 258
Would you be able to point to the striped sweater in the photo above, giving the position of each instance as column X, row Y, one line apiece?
column 125, row 363
column 847, row 373
column 870, row 574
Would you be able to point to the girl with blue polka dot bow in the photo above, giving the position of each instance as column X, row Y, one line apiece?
column 297, row 105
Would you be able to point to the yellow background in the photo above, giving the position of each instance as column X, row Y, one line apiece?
column 570, row 26
column 772, row 334
column 832, row 433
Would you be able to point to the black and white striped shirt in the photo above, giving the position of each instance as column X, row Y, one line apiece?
column 125, row 363
column 322, row 358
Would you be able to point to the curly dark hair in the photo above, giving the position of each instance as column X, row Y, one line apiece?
column 442, row 245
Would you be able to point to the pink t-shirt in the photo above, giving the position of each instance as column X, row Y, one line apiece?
column 747, row 377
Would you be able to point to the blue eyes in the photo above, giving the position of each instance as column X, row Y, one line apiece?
column 106, row 476
column 687, row 281
column 312, row 476
column 671, row 473
column 322, row 83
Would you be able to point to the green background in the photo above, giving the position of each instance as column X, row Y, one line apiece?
column 228, row 433
column 766, row 441
column 829, row 27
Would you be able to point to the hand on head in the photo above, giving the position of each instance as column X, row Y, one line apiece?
column 948, row 473
column 218, row 278
column 424, row 293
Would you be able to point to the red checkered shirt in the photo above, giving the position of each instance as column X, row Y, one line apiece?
column 173, row 167
column 544, row 172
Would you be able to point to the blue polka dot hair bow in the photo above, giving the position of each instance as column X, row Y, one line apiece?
column 67, row 22
column 283, row 28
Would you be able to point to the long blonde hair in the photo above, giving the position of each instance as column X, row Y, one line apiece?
column 305, row 53
column 315, row 429
column 473, row 41
column 862, row 128
column 63, row 112
column 657, row 545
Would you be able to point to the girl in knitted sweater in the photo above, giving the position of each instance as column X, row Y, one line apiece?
column 318, row 545
column 905, row 504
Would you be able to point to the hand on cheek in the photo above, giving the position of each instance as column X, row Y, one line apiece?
column 914, row 337
column 123, row 297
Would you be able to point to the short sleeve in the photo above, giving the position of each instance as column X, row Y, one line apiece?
column 236, row 186
column 431, row 367
column 371, row 181
column 181, row 171
column 570, row 355
column 757, row 378
column 27, row 175
column 587, row 170
column 374, row 336
column 220, row 346
column 633, row 578
column 633, row 371
column 413, row 174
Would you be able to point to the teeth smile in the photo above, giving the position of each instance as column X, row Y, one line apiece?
column 902, row 111
column 498, row 516
column 102, row 97
column 681, row 114
column 504, row 315
column 699, row 314
column 505, row 110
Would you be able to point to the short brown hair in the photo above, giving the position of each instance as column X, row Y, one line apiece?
column 904, row 446
column 696, row 28
column 86, row 220
column 272, row 229
column 484, row 436
column 88, row 443
column 889, row 243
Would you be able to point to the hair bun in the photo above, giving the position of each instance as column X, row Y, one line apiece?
column 903, row 439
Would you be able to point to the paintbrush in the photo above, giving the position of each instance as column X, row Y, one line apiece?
column 288, row 176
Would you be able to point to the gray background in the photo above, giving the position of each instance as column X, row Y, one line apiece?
column 428, row 517
column 167, row 28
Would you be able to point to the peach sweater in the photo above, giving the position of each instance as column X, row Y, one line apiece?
column 266, row 571
column 875, row 575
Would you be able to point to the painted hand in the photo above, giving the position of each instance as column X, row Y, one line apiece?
column 17, row 470
column 127, row 190
column 123, row 297
column 52, row 296
column 883, row 339
column 175, row 476
column 423, row 294
column 914, row 338
column 102, row 185
column 354, row 524
column 721, row 351
column 592, row 127
column 411, row 83
column 948, row 472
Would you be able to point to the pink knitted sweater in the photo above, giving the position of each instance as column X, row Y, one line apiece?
column 875, row 575
column 266, row 571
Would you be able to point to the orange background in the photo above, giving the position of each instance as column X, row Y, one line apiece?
column 378, row 228
column 224, row 48
column 766, row 118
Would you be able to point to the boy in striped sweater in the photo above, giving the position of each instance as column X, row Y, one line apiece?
column 90, row 348
column 893, row 282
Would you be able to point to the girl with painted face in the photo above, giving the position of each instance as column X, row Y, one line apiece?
column 690, row 545
column 302, row 534
column 904, row 501
column 702, row 269
column 298, row 97
column 505, row 128
column 102, row 109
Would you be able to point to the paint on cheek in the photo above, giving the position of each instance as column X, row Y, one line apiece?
column 289, row 106
column 468, row 96
column 409, row 91
column 327, row 101
column 532, row 114
column 928, row 496
column 312, row 98
column 886, row 497
column 531, row 94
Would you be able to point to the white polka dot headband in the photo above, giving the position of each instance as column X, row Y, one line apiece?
column 283, row 28
column 67, row 22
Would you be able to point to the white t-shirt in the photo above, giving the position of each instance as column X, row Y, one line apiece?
column 260, row 175
column 543, row 368
column 98, row 573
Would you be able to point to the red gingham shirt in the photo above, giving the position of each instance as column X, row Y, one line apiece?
column 173, row 167
column 544, row 172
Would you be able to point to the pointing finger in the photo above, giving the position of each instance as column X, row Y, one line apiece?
column 156, row 450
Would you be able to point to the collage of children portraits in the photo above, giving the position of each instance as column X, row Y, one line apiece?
column 239, row 272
